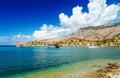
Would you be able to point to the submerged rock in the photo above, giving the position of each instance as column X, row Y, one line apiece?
column 112, row 70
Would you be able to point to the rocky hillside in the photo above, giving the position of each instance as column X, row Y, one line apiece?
column 97, row 33
column 104, row 35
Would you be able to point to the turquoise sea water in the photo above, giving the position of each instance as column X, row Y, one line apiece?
column 18, row 60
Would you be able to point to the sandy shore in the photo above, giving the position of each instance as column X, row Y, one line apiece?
column 85, row 69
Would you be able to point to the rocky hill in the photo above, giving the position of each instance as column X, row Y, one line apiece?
column 97, row 33
column 104, row 35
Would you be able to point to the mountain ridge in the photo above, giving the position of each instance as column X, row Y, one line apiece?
column 97, row 32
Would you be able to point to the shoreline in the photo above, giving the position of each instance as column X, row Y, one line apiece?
column 74, row 41
column 74, row 70
column 111, row 70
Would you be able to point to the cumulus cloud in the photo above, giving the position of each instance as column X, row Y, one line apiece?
column 98, row 13
column 50, row 31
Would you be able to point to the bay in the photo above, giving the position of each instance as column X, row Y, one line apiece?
column 15, row 60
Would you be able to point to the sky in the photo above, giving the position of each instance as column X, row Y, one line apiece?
column 45, row 19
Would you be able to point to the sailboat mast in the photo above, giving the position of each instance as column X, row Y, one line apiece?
column 19, row 37
column 19, row 44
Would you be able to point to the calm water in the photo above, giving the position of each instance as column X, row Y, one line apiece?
column 15, row 60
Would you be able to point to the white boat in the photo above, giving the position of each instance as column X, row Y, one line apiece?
column 19, row 45
column 93, row 46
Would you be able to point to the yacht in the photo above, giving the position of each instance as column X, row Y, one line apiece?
column 53, row 45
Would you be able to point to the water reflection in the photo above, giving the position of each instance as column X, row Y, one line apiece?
column 40, row 57
column 15, row 60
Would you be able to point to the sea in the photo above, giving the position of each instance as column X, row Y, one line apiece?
column 17, row 62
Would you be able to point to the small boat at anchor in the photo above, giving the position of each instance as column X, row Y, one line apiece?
column 53, row 46
column 93, row 46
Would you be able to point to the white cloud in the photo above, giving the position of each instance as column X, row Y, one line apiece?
column 5, row 40
column 98, row 13
column 14, row 39
column 22, row 36
column 50, row 31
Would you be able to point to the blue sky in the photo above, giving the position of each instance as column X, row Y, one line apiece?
column 42, row 17
column 27, row 15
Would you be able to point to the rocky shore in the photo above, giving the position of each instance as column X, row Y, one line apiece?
column 111, row 70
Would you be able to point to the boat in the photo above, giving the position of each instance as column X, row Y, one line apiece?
column 19, row 45
column 53, row 45
column 93, row 46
